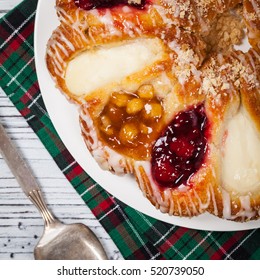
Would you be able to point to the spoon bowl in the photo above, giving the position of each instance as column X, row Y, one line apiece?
column 64, row 242
column 69, row 242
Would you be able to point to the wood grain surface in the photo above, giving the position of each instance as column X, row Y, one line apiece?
column 20, row 223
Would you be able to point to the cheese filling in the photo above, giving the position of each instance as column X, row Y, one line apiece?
column 91, row 70
column 241, row 155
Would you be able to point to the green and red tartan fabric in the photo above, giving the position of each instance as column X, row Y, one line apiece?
column 136, row 235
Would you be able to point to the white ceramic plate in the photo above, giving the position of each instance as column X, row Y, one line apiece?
column 65, row 119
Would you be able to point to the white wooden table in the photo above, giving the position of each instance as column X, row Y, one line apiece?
column 20, row 223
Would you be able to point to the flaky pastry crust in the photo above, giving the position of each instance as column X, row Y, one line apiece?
column 251, row 14
column 239, row 73
column 185, row 76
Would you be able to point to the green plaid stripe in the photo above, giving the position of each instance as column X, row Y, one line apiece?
column 136, row 235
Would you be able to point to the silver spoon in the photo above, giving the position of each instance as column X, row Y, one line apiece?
column 59, row 241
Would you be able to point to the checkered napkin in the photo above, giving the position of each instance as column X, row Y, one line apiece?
column 136, row 235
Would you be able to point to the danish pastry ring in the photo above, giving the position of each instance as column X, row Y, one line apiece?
column 155, row 102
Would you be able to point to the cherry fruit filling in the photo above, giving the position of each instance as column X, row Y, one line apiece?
column 94, row 4
column 180, row 151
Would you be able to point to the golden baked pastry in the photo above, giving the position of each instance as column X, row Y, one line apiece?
column 93, row 35
column 162, row 99
column 251, row 14
column 126, row 125
column 237, row 196
column 207, row 158
column 197, row 15
column 182, row 174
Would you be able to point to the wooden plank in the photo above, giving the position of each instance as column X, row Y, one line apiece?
column 8, row 4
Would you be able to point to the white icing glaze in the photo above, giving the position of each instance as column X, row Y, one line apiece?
column 107, row 158
column 163, row 14
column 164, row 197
column 80, row 27
column 245, row 212
column 108, row 21
column 186, row 59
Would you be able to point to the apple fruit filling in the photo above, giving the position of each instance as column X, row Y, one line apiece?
column 241, row 155
column 130, row 122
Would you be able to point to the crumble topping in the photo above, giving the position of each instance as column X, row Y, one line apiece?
column 227, row 30
column 179, row 9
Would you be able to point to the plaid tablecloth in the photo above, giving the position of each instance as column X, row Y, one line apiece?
column 136, row 235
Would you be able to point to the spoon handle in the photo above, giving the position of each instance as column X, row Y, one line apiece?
column 16, row 163
column 24, row 175
column 37, row 199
